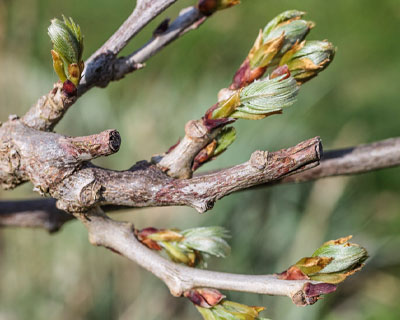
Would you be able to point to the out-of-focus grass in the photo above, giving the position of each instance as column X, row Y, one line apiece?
column 356, row 100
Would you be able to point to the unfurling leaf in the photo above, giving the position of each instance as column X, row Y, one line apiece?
column 278, row 36
column 266, row 97
column 332, row 263
column 224, row 140
column 308, row 58
column 190, row 246
column 229, row 310
column 67, row 50
column 345, row 256
column 294, row 29
column 259, row 99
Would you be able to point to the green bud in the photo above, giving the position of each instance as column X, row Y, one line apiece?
column 266, row 97
column 345, row 256
column 229, row 310
column 189, row 246
column 207, row 240
column 291, row 26
column 67, row 50
column 306, row 59
column 224, row 140
column 332, row 263
column 278, row 36
column 283, row 17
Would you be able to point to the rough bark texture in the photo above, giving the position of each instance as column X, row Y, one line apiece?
column 58, row 166
column 359, row 159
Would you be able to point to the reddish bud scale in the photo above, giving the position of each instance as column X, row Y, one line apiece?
column 280, row 71
column 212, row 124
column 315, row 290
column 144, row 233
column 207, row 7
column 245, row 75
column 204, row 155
column 293, row 273
column 204, row 297
column 69, row 89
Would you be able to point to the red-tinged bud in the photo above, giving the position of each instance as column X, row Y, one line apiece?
column 204, row 155
column 315, row 290
column 280, row 71
column 69, row 89
column 204, row 297
column 293, row 273
column 143, row 234
column 212, row 124
column 246, row 75
column 208, row 7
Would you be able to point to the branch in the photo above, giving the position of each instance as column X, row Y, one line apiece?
column 40, row 213
column 145, row 11
column 145, row 185
column 188, row 19
column 355, row 160
column 119, row 237
column 359, row 159
column 104, row 66
column 58, row 166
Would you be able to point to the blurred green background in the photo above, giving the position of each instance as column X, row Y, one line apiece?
column 62, row 276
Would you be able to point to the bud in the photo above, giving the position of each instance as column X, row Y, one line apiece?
column 345, row 256
column 332, row 263
column 278, row 36
column 259, row 99
column 231, row 310
column 290, row 24
column 67, row 50
column 306, row 59
column 204, row 297
column 206, row 154
column 221, row 142
column 224, row 140
column 207, row 240
column 208, row 7
column 190, row 246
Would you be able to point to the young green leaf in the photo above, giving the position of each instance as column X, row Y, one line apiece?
column 67, row 40
column 308, row 58
column 265, row 97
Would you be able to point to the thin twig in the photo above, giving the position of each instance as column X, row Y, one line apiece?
column 104, row 66
column 119, row 237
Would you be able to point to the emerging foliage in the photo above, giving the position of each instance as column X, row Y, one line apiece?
column 67, row 40
column 332, row 263
column 190, row 246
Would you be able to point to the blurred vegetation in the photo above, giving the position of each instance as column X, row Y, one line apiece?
column 62, row 276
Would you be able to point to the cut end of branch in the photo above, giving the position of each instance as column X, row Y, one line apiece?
column 97, row 145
